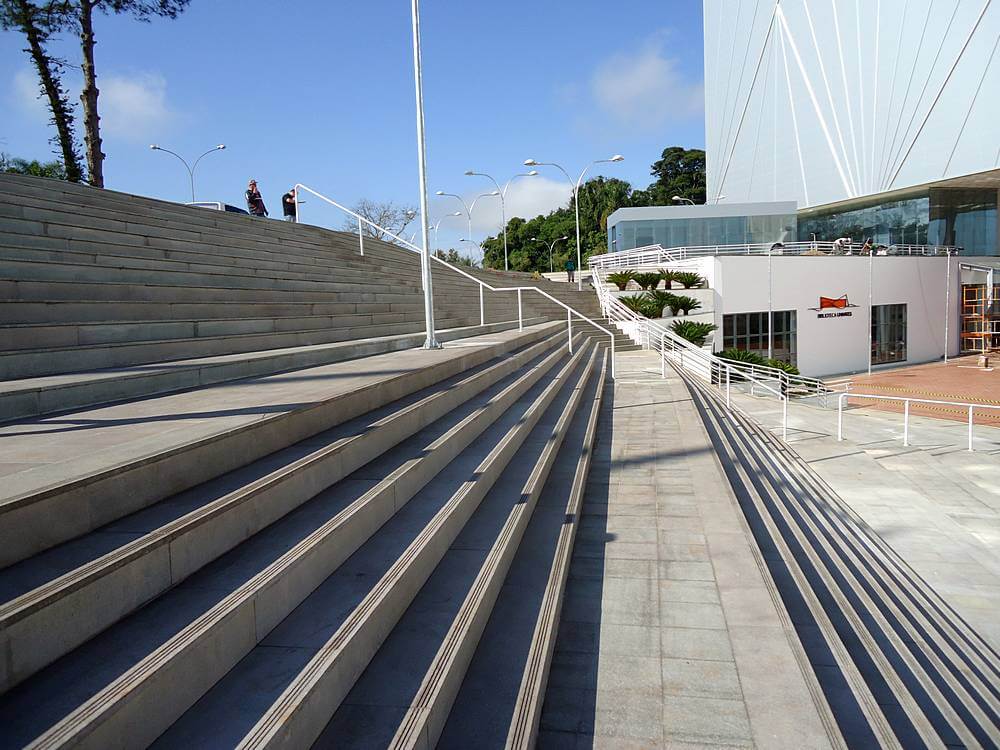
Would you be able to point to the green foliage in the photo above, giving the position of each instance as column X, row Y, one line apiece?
column 53, row 169
column 667, row 275
column 694, row 332
column 641, row 304
column 688, row 279
column 621, row 279
column 647, row 280
column 453, row 257
column 780, row 364
column 528, row 239
column 659, row 300
column 743, row 355
column 687, row 304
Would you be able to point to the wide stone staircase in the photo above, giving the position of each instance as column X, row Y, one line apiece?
column 242, row 507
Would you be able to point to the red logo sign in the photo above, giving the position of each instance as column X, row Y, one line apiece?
column 833, row 303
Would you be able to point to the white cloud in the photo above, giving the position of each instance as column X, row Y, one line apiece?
column 24, row 91
column 645, row 89
column 134, row 107
column 527, row 197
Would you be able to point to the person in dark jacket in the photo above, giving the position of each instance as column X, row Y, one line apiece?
column 570, row 268
column 288, row 205
column 255, row 204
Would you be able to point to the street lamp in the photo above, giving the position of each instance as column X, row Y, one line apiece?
column 190, row 169
column 551, row 244
column 576, row 201
column 680, row 199
column 482, row 251
column 468, row 209
column 438, row 225
column 503, row 209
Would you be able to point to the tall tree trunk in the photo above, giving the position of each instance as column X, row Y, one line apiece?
column 62, row 116
column 91, row 120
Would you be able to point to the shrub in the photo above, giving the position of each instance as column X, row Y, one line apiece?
column 694, row 332
column 658, row 300
column 667, row 275
column 780, row 364
column 687, row 304
column 743, row 355
column 647, row 280
column 689, row 279
column 637, row 303
column 621, row 279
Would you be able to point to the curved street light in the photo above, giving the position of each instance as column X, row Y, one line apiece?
column 551, row 245
column 576, row 201
column 681, row 199
column 502, row 192
column 438, row 225
column 190, row 169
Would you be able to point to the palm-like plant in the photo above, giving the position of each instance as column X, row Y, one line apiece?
column 647, row 280
column 781, row 364
column 621, row 279
column 658, row 300
column 667, row 275
column 687, row 304
column 743, row 355
column 694, row 332
column 637, row 303
column 689, row 279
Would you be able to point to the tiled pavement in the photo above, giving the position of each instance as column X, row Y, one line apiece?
column 670, row 635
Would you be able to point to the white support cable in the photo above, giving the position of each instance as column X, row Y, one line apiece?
column 878, row 46
column 795, row 122
column 972, row 104
column 739, row 84
column 865, row 177
column 892, row 84
column 847, row 92
column 787, row 34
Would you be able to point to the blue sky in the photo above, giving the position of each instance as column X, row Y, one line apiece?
column 322, row 93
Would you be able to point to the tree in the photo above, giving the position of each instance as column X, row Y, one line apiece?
column 455, row 258
column 53, row 169
column 38, row 23
column 678, row 171
column 387, row 218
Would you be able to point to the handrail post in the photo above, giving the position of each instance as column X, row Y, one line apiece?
column 784, row 419
column 569, row 329
column 520, row 320
column 970, row 427
column 663, row 356
column 840, row 416
column 612, row 356
column 728, row 398
column 361, row 236
column 482, row 308
column 906, row 422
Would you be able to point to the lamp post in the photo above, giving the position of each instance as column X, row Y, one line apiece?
column 681, row 199
column 425, row 254
column 438, row 226
column 551, row 245
column 188, row 167
column 482, row 250
column 503, row 209
column 576, row 201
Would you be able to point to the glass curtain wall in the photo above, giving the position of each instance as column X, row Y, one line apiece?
column 749, row 331
column 723, row 230
column 888, row 334
column 965, row 218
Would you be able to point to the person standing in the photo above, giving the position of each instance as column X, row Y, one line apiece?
column 288, row 205
column 570, row 268
column 255, row 204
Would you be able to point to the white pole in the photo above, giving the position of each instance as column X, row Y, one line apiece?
column 425, row 258
column 728, row 399
column 482, row 307
column 361, row 237
column 520, row 320
column 569, row 329
column 871, row 258
column 503, row 218
column 970, row 427
column 947, row 302
column 770, row 310
column 784, row 419
column 576, row 203
column 906, row 422
column 663, row 356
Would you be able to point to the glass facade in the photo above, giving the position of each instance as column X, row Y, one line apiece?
column 966, row 218
column 888, row 334
column 749, row 331
column 694, row 232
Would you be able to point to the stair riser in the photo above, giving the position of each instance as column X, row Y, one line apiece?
column 30, row 525
column 169, row 681
column 36, row 631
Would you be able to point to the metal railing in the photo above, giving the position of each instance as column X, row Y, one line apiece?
column 906, row 411
column 657, row 255
column 483, row 286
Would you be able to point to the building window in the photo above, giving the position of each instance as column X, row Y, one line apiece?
column 888, row 334
column 749, row 331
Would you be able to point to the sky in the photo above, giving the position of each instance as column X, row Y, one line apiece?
column 321, row 93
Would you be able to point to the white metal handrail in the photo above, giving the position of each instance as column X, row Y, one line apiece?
column 906, row 411
column 656, row 255
column 483, row 286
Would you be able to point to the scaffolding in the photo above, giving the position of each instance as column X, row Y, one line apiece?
column 980, row 319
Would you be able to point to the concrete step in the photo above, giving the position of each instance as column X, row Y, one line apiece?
column 399, row 571
column 140, row 452
column 895, row 663
column 402, row 500
column 58, row 360
column 31, row 397
column 84, row 576
column 500, row 699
